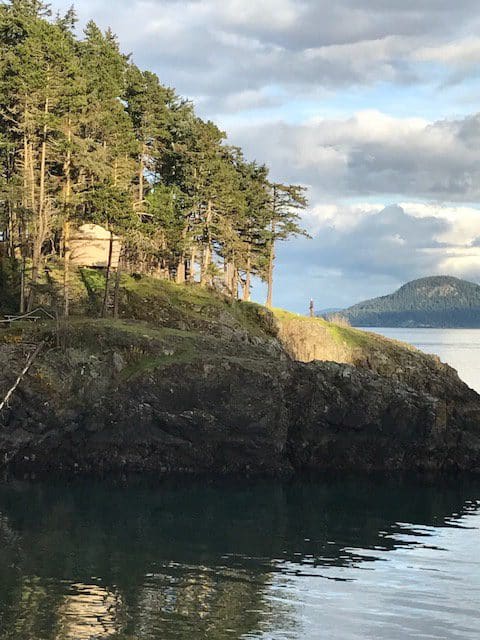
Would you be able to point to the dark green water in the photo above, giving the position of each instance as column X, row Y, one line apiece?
column 363, row 560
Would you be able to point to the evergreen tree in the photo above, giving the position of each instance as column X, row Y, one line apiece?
column 36, row 56
column 285, row 203
column 86, row 136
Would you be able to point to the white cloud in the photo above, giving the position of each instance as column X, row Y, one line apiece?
column 465, row 264
column 219, row 47
column 463, row 52
column 270, row 14
column 250, row 99
column 360, row 251
column 371, row 153
column 464, row 222
column 341, row 217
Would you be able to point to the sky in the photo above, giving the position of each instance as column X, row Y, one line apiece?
column 374, row 105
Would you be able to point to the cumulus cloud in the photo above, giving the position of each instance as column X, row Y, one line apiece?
column 390, row 242
column 217, row 47
column 371, row 153
column 463, row 52
column 363, row 250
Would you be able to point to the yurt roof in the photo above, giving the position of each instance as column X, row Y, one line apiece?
column 94, row 232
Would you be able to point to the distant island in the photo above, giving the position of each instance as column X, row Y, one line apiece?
column 437, row 301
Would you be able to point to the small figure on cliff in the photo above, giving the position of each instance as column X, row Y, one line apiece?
column 312, row 308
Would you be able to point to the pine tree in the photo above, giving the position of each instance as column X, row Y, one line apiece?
column 149, row 105
column 34, row 77
column 285, row 203
column 86, row 136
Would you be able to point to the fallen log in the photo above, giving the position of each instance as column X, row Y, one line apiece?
column 30, row 361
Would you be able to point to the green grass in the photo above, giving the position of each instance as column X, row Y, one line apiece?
column 151, row 299
column 283, row 315
column 162, row 311
column 145, row 364
column 158, row 302
column 352, row 338
column 131, row 327
column 354, row 342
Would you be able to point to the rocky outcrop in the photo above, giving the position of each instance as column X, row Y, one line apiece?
column 307, row 340
column 350, row 419
column 128, row 397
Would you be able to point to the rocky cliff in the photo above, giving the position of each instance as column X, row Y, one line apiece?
column 195, row 383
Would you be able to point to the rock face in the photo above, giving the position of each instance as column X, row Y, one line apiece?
column 128, row 397
column 350, row 419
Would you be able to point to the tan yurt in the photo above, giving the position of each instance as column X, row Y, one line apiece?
column 90, row 246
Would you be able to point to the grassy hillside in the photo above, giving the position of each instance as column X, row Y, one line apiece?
column 309, row 339
column 161, row 323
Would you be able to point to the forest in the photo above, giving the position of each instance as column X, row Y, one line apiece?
column 88, row 137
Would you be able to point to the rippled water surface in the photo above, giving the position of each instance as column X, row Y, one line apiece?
column 349, row 560
column 459, row 347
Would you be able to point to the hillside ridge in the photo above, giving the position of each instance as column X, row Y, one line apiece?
column 435, row 301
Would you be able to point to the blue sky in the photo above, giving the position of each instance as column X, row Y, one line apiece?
column 371, row 104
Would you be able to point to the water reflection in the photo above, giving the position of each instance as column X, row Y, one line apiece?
column 88, row 611
column 218, row 561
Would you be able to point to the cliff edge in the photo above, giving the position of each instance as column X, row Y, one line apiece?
column 188, row 381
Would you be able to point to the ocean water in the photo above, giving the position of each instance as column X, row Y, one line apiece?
column 360, row 559
column 458, row 347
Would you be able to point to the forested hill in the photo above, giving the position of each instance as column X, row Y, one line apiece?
column 86, row 136
column 439, row 301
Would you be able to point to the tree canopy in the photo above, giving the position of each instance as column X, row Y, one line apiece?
column 87, row 136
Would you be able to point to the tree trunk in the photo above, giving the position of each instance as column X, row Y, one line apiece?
column 191, row 273
column 248, row 280
column 25, row 193
column 271, row 265
column 227, row 273
column 31, row 170
column 66, row 228
column 107, row 277
column 234, row 285
column 28, row 166
column 66, row 269
column 13, row 235
column 36, row 262
column 41, row 223
column 116, row 292
column 23, row 373
column 180, row 275
column 205, row 277
column 206, row 262
column 29, row 201
column 141, row 178
column 43, row 163
column 22, row 286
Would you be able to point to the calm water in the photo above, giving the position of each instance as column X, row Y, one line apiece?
column 359, row 560
column 459, row 347
column 346, row 560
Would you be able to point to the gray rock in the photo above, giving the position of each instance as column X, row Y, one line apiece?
column 118, row 362
column 246, row 413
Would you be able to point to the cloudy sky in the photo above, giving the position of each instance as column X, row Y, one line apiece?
column 372, row 104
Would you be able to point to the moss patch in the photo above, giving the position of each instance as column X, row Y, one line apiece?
column 145, row 364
